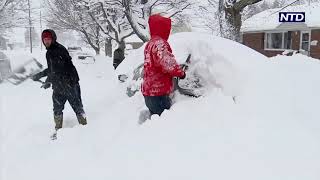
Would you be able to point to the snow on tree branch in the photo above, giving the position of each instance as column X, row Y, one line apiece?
column 9, row 16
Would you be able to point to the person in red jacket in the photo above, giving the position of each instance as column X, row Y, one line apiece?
column 160, row 66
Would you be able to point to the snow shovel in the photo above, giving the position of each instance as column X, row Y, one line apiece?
column 25, row 71
column 185, row 91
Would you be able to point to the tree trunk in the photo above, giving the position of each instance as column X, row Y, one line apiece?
column 97, row 50
column 97, row 42
column 220, row 14
column 137, row 29
column 233, row 18
column 108, row 47
column 232, row 26
column 96, row 47
column 122, row 46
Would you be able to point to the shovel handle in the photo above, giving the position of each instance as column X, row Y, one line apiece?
column 40, row 81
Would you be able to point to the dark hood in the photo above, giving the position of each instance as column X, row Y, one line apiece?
column 160, row 26
column 53, row 34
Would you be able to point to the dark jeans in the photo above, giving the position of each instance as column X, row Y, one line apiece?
column 70, row 93
column 157, row 104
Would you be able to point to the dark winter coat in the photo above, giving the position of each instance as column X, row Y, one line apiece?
column 160, row 65
column 60, row 72
column 118, row 57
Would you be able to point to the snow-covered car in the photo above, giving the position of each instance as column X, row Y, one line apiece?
column 5, row 67
column 73, row 50
column 86, row 58
column 211, row 65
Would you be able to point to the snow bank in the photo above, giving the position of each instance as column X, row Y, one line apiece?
column 218, row 62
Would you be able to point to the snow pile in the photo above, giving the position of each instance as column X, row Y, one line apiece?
column 271, row 132
column 211, row 61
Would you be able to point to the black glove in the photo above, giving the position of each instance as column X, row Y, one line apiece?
column 184, row 67
column 46, row 85
column 36, row 77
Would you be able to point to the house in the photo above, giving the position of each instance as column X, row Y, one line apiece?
column 264, row 33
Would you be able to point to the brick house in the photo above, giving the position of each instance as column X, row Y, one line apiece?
column 264, row 33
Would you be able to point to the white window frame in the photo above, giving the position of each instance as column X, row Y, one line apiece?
column 271, row 49
column 301, row 32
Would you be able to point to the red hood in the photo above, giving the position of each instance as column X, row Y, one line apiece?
column 159, row 26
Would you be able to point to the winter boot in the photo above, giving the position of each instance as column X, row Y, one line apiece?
column 143, row 116
column 82, row 119
column 58, row 119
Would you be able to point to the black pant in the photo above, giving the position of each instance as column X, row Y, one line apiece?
column 157, row 104
column 71, row 93
column 116, row 63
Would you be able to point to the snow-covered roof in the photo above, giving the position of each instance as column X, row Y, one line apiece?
column 269, row 19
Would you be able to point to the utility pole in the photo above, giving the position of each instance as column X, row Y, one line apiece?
column 41, row 23
column 30, row 26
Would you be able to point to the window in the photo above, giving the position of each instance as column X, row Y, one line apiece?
column 279, row 40
column 274, row 40
column 305, row 41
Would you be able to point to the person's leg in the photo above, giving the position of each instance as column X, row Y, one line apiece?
column 157, row 104
column 59, row 101
column 144, row 115
column 74, row 98
column 165, row 102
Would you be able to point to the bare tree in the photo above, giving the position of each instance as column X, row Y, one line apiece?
column 116, row 19
column 138, row 12
column 224, row 17
column 9, row 13
column 230, row 20
column 110, row 18
column 70, row 15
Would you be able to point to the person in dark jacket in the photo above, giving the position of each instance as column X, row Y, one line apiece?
column 118, row 57
column 64, row 78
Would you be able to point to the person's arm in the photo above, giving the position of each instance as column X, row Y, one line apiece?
column 167, row 61
column 39, row 75
column 44, row 73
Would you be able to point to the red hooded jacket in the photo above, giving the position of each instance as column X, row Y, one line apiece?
column 160, row 65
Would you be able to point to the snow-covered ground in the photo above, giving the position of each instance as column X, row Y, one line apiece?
column 271, row 132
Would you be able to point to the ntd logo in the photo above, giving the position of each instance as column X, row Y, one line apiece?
column 292, row 17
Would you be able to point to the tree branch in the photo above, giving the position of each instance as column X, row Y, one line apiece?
column 240, row 5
